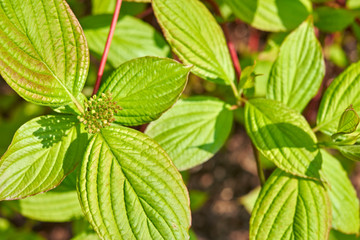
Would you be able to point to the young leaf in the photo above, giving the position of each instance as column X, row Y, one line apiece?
column 43, row 51
column 129, row 188
column 58, row 205
column 43, row 151
column 342, row 92
column 247, row 79
column 349, row 121
column 345, row 204
column 330, row 19
column 283, row 136
column 271, row 15
column 299, row 69
column 133, row 38
column 248, row 201
column 291, row 208
column 145, row 87
column 193, row 130
column 108, row 6
column 196, row 38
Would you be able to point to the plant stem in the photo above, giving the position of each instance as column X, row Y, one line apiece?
column 258, row 165
column 145, row 13
column 107, row 46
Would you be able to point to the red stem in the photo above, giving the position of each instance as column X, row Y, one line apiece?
column 107, row 46
column 232, row 51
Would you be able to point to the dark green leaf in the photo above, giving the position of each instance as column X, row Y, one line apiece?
column 330, row 19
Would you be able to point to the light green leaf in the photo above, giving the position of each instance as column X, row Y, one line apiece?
column 345, row 204
column 58, row 205
column 108, row 6
column 283, row 136
column 298, row 71
column 249, row 199
column 193, row 130
column 196, row 38
column 133, row 38
column 43, row 151
column 271, row 15
column 349, row 121
column 330, row 19
column 43, row 52
column 129, row 188
column 291, row 208
column 145, row 88
column 342, row 92
column 353, row 4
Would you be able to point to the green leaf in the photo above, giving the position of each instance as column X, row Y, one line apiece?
column 43, row 51
column 283, row 136
column 129, row 188
column 43, row 151
column 133, row 38
column 271, row 15
column 196, row 38
column 345, row 204
column 299, row 69
column 291, row 208
column 352, row 152
column 58, row 205
column 349, row 121
column 193, row 130
column 249, row 199
column 247, row 79
column 342, row 92
column 329, row 19
column 132, row 7
column 145, row 88
column 335, row 235
column 353, row 4
column 197, row 199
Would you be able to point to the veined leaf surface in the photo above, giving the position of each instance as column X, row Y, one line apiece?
column 43, row 52
column 345, row 204
column 193, row 130
column 58, row 205
column 43, row 151
column 271, row 15
column 196, row 38
column 341, row 93
column 299, row 69
column 289, row 207
column 145, row 88
column 129, row 188
column 283, row 136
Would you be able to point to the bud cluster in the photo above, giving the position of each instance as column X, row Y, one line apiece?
column 99, row 112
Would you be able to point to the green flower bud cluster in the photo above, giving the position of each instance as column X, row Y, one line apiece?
column 99, row 112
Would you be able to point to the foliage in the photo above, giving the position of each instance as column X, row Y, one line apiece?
column 83, row 159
